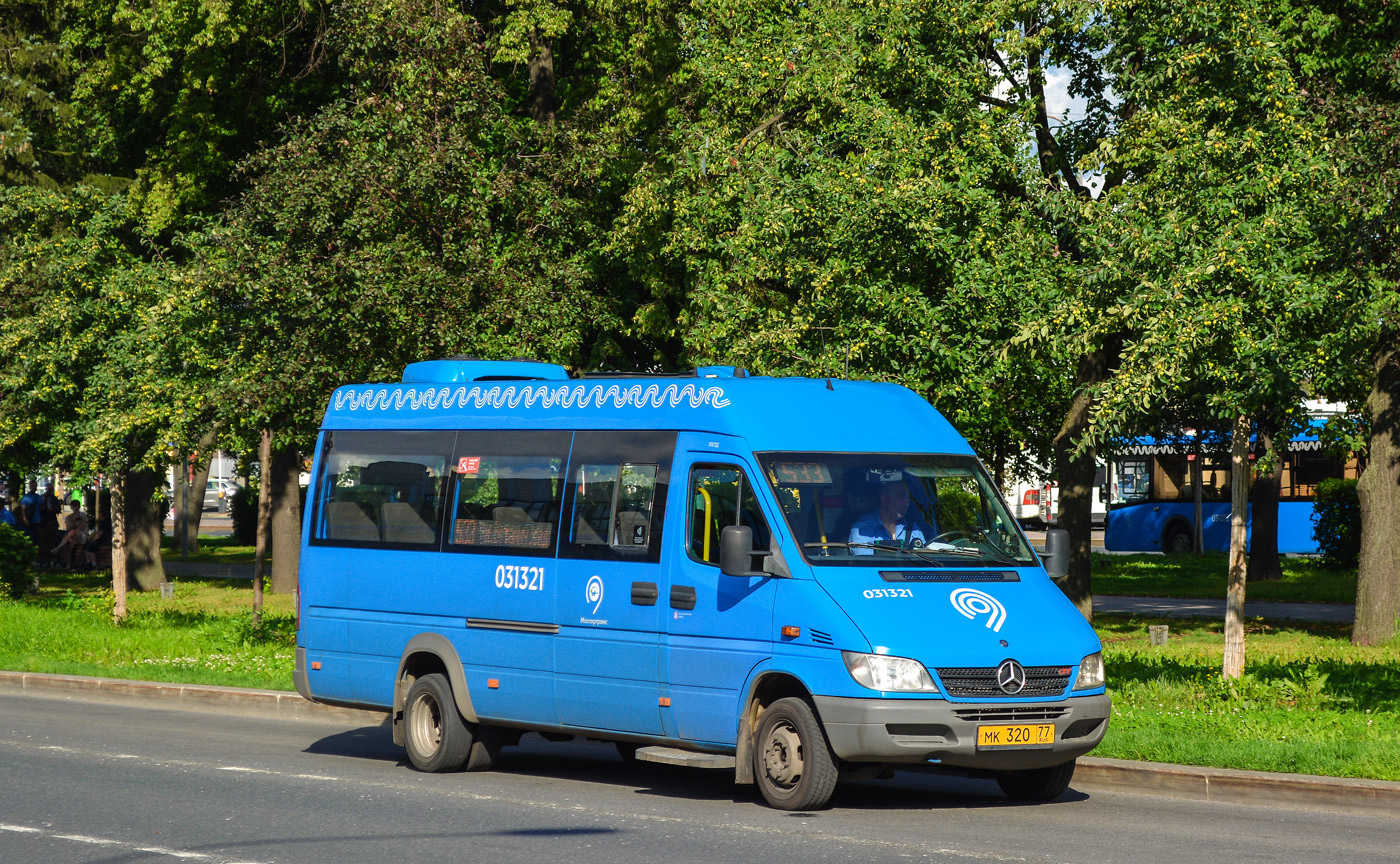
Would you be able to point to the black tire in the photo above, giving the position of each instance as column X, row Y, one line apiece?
column 1037, row 784
column 792, row 763
column 435, row 735
column 1177, row 540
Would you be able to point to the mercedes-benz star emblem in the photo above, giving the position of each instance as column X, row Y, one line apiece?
column 1011, row 677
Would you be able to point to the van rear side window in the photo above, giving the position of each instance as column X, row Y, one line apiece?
column 506, row 491
column 383, row 488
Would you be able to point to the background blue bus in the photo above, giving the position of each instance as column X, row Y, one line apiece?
column 1152, row 500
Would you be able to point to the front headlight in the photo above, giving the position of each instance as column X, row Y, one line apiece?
column 890, row 674
column 1090, row 672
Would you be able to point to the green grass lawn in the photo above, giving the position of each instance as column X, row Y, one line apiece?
column 1310, row 703
column 1305, row 580
column 212, row 550
column 203, row 635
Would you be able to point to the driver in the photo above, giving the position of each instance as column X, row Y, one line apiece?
column 890, row 522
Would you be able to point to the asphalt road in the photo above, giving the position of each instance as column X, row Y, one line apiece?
column 92, row 782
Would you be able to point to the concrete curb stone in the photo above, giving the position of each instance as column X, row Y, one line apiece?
column 1227, row 785
column 1222, row 785
column 200, row 697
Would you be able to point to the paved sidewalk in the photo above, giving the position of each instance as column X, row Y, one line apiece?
column 1119, row 775
column 1174, row 607
column 200, row 570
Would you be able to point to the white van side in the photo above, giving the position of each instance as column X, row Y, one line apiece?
column 1049, row 508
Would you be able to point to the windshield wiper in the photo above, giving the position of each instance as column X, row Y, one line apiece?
column 878, row 547
column 993, row 555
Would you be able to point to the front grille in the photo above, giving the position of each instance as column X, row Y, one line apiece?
column 1010, row 715
column 981, row 681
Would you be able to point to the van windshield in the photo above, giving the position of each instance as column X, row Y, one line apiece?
column 909, row 510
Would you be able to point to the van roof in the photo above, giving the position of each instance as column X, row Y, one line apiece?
column 812, row 414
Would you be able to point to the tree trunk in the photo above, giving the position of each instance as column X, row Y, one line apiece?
column 189, row 494
column 284, row 479
column 119, row 548
column 1378, row 491
column 1233, row 666
column 541, row 79
column 264, row 521
column 145, row 521
column 179, row 492
column 1198, row 528
column 1076, row 476
column 1264, row 563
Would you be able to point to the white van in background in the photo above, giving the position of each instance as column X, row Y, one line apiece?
column 1050, row 499
column 1024, row 500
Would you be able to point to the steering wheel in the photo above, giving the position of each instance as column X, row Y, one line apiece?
column 950, row 536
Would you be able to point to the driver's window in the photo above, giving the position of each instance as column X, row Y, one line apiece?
column 721, row 496
column 958, row 505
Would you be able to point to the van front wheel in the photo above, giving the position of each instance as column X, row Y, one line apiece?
column 1038, row 784
column 435, row 735
column 792, row 762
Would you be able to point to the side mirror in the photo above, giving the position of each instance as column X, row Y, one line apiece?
column 736, row 554
column 736, row 551
column 1056, row 553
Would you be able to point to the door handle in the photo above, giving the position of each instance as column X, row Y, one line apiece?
column 644, row 593
column 682, row 596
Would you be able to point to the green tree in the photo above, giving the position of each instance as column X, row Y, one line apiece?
column 170, row 95
column 91, row 388
column 418, row 216
column 35, row 70
column 1362, row 106
column 1216, row 249
column 830, row 187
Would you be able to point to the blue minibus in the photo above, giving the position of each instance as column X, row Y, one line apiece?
column 796, row 579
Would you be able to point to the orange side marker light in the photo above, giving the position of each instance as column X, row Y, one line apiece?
column 493, row 683
column 315, row 664
column 664, row 701
column 792, row 632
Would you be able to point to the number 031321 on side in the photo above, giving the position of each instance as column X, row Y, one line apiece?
column 1027, row 735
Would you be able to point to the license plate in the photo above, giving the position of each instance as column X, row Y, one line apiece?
column 1023, row 735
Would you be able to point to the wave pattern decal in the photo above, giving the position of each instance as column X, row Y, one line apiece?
column 544, row 395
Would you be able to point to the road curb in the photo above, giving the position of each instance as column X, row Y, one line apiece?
column 1226, row 785
column 1221, row 785
column 201, row 697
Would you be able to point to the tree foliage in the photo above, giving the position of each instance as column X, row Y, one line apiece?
column 216, row 213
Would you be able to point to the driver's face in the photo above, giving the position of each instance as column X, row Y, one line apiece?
column 894, row 501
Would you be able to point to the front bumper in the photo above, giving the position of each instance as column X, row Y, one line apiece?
column 933, row 731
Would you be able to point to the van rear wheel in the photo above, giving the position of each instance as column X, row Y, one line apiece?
column 792, row 762
column 1037, row 784
column 435, row 735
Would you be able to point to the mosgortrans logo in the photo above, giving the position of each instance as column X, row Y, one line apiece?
column 972, row 603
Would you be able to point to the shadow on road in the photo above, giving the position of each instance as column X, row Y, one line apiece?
column 598, row 762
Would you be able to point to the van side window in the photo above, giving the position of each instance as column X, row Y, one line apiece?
column 616, row 496
column 382, row 488
column 721, row 496
column 506, row 489
column 612, row 506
